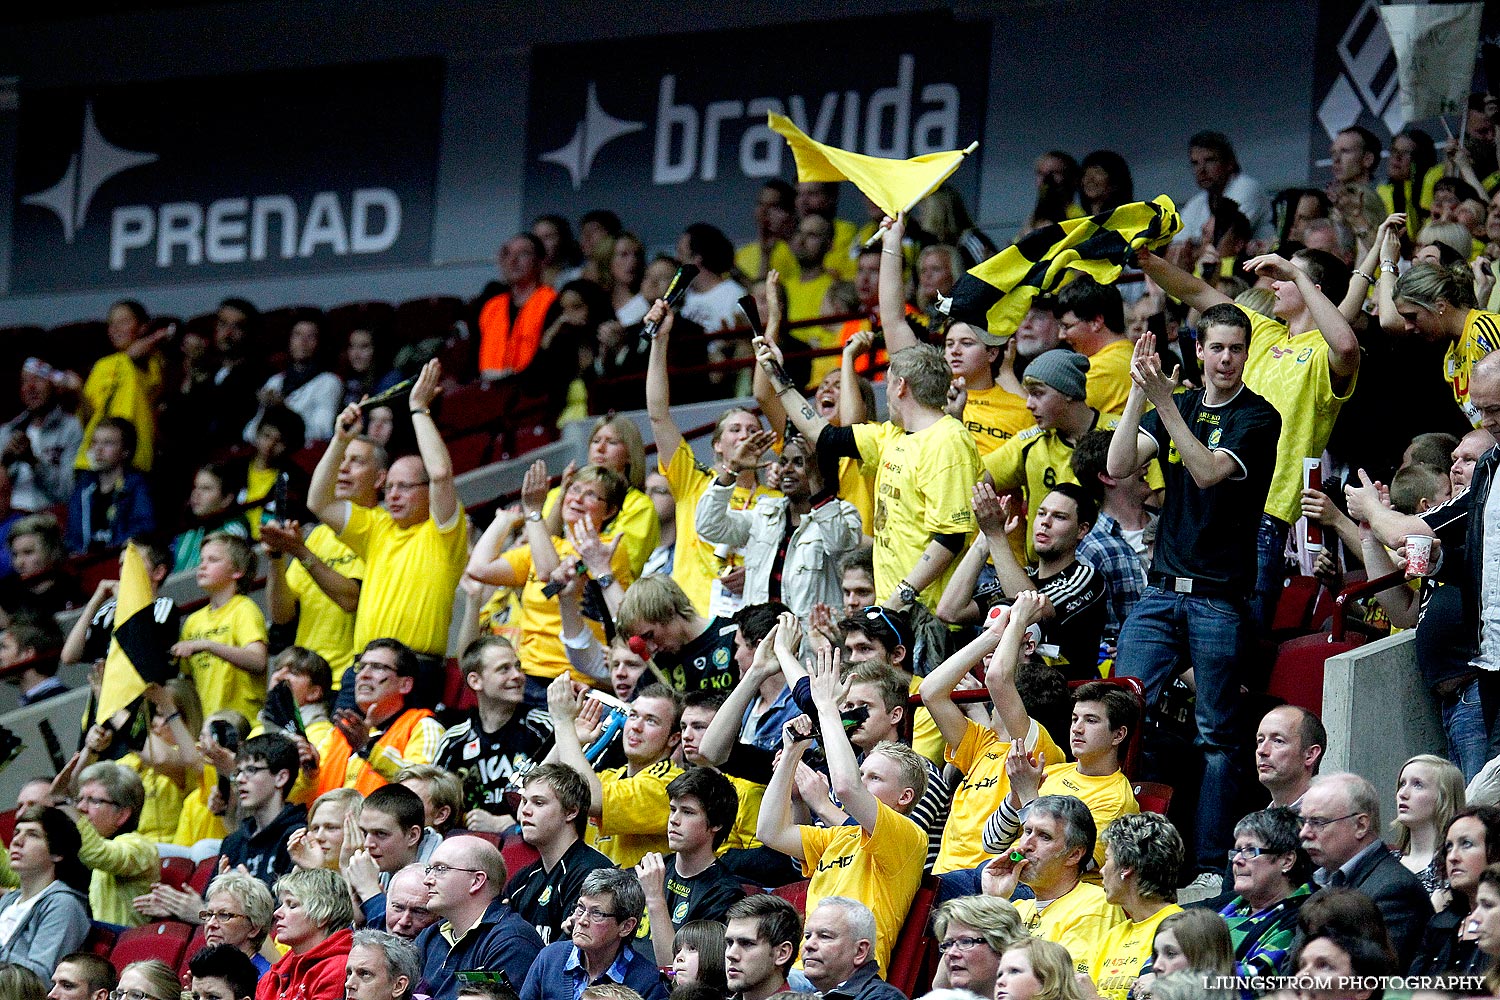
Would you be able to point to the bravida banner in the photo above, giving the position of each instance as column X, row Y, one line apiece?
column 672, row 130
column 264, row 175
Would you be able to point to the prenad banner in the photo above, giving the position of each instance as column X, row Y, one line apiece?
column 672, row 130
column 254, row 175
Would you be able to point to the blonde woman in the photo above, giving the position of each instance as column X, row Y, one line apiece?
column 1037, row 970
column 615, row 443
column 1429, row 793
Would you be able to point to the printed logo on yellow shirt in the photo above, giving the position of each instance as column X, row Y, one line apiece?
column 826, row 864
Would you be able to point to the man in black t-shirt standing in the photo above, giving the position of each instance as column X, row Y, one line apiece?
column 1218, row 452
column 501, row 738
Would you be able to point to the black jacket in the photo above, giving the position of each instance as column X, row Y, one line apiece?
column 263, row 852
column 1459, row 523
column 864, row 983
column 1399, row 896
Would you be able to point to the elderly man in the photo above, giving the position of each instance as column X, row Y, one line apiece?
column 478, row 931
column 1341, row 834
column 406, row 912
column 838, row 952
column 609, row 910
column 381, row 967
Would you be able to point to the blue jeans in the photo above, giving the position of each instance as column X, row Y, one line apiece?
column 1165, row 634
column 1463, row 722
column 1270, row 569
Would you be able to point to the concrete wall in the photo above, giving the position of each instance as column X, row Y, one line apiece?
column 1379, row 714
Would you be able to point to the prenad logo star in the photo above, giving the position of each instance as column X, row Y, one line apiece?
column 96, row 161
column 597, row 128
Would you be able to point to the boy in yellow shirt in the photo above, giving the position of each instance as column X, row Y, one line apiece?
column 224, row 644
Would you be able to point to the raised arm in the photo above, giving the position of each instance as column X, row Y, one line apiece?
column 956, row 604
column 773, row 825
column 1179, row 284
column 724, row 731
column 658, row 396
column 937, row 687
column 1389, row 526
column 1400, row 603
column 1367, row 274
column 898, row 332
column 441, row 493
column 713, row 520
column 1208, row 467
column 828, row 692
column 1343, row 346
column 998, row 520
column 851, row 400
column 806, row 419
column 544, row 557
column 1028, row 608
column 72, row 650
column 564, row 702
column 334, row 513
column 1129, row 449
column 486, row 563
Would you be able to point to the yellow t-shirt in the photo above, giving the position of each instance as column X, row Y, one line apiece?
column 636, row 524
column 220, row 683
column 1480, row 336
column 881, row 870
column 1079, row 920
column 632, row 819
column 1036, row 460
column 258, row 484
column 981, row 758
column 323, row 626
column 751, row 261
column 196, row 823
column 118, row 387
column 411, row 575
column 158, row 822
column 1116, row 963
column 924, row 485
column 1108, row 797
column 1292, row 374
column 994, row 416
column 1109, row 377
column 856, row 487
column 750, row 793
column 804, row 300
column 694, row 565
column 541, row 650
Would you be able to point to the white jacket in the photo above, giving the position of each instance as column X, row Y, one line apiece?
column 810, row 574
column 317, row 402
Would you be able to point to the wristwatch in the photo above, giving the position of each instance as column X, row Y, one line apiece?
column 533, row 515
column 605, row 580
column 906, row 593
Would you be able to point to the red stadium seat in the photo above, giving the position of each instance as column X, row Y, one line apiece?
column 794, row 893
column 7, row 826
column 99, row 941
column 1152, row 796
column 203, row 873
column 914, row 955
column 457, row 696
column 90, row 569
column 194, row 946
column 1294, row 607
column 176, row 872
column 163, row 939
column 473, row 407
column 518, row 854
column 307, row 459
column 468, row 452
column 1297, row 676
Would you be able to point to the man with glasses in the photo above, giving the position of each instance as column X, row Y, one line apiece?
column 221, row 972
column 370, row 746
column 124, row 863
column 414, row 549
column 82, row 976
column 477, row 930
column 604, row 921
column 1341, row 834
column 1091, row 320
column 266, row 769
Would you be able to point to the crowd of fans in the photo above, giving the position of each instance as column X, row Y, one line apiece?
column 711, row 726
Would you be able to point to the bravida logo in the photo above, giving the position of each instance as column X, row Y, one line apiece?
column 96, row 161
column 597, row 128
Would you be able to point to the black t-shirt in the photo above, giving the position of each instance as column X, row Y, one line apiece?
column 1209, row 534
column 489, row 762
column 706, row 663
column 705, row 896
column 545, row 899
column 1080, row 598
column 166, row 628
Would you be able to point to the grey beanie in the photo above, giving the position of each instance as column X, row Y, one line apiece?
column 1063, row 370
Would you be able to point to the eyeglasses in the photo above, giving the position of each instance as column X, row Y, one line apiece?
column 1249, row 852
column 1317, row 822
column 219, row 916
column 131, row 995
column 875, row 611
column 372, row 665
column 593, row 913
column 405, row 487
column 91, row 801
column 251, row 770
column 439, row 870
column 960, row 944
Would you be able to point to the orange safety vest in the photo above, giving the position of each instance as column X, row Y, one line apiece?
column 333, row 769
column 503, row 348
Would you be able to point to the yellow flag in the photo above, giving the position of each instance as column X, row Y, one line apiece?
column 135, row 656
column 895, row 185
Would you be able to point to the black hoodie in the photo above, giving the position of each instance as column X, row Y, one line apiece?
column 263, row 852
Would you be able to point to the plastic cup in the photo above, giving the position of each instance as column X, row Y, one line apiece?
column 1418, row 555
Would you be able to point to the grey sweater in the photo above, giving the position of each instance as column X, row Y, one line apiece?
column 56, row 926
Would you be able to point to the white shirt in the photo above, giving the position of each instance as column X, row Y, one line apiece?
column 716, row 309
column 1246, row 192
column 1489, row 588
